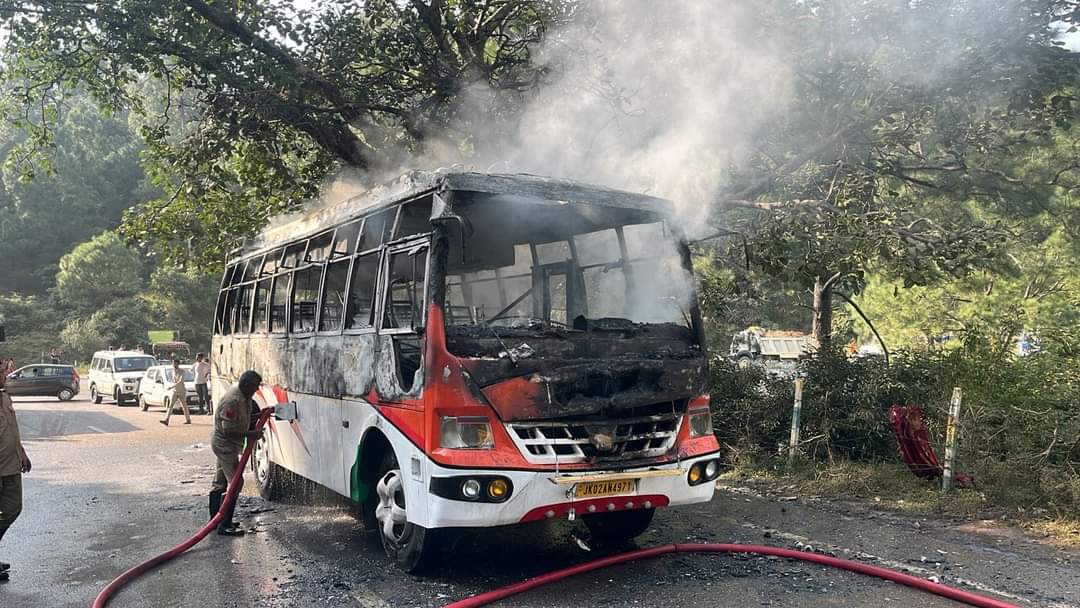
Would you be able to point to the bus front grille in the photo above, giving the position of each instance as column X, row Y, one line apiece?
column 571, row 442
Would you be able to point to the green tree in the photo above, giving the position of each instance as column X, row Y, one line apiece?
column 908, row 122
column 184, row 301
column 97, row 273
column 30, row 326
column 274, row 96
column 92, row 175
column 81, row 340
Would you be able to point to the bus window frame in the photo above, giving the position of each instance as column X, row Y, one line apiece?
column 348, row 262
column 278, row 276
column 390, row 244
column 417, row 243
column 373, row 329
column 292, row 292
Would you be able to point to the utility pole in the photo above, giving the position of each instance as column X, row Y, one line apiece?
column 950, row 439
column 793, row 444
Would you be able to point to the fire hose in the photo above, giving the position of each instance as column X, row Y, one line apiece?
column 966, row 597
column 230, row 497
column 483, row 599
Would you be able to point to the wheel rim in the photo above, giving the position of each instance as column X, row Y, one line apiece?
column 262, row 462
column 65, row 394
column 390, row 511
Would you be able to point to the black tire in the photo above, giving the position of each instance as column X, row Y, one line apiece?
column 744, row 362
column 143, row 405
column 118, row 397
column 95, row 396
column 617, row 528
column 411, row 547
column 65, row 394
column 271, row 478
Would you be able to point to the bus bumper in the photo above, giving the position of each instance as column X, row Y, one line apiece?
column 540, row 495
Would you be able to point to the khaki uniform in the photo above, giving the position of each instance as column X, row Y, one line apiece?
column 179, row 395
column 233, row 414
column 10, row 465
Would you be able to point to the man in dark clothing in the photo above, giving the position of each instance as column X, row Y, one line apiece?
column 232, row 426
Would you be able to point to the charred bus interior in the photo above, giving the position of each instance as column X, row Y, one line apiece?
column 565, row 315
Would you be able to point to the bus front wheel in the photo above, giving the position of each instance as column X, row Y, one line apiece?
column 409, row 545
column 269, row 477
column 616, row 528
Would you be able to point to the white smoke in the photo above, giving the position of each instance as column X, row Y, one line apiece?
column 662, row 98
column 656, row 97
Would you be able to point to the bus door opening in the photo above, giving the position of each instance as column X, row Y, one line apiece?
column 403, row 311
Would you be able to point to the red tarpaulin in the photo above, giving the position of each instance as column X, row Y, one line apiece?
column 915, row 448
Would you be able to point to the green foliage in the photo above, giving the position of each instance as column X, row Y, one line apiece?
column 81, row 340
column 184, row 301
column 1018, row 413
column 94, row 174
column 123, row 322
column 246, row 106
column 902, row 136
column 1041, row 297
column 97, row 273
column 30, row 325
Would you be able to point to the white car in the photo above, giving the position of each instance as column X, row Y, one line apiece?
column 116, row 374
column 156, row 388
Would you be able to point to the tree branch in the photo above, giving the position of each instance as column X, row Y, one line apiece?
column 884, row 348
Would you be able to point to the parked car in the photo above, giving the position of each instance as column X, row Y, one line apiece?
column 116, row 374
column 44, row 380
column 156, row 388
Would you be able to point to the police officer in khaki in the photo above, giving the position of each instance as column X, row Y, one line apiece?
column 13, row 463
column 232, row 425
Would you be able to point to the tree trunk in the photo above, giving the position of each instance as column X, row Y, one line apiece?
column 822, row 328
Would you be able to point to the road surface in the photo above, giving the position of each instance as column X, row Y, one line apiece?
column 111, row 487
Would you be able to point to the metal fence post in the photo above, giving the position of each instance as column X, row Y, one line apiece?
column 793, row 445
column 950, row 439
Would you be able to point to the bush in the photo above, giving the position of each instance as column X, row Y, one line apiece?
column 1019, row 422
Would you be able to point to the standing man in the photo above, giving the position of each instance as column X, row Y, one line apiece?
column 232, row 425
column 179, row 395
column 202, row 376
column 13, row 463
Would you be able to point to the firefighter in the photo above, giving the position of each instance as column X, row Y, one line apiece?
column 233, row 422
column 13, row 464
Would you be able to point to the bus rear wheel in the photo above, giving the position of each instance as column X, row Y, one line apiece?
column 409, row 545
column 617, row 528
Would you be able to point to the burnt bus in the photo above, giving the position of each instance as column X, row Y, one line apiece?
column 460, row 349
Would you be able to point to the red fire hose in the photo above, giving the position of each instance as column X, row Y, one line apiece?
column 230, row 498
column 972, row 599
column 483, row 599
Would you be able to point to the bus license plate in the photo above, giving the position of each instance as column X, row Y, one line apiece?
column 595, row 489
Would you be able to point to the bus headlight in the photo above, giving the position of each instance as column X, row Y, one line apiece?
column 497, row 489
column 470, row 489
column 700, row 421
column 703, row 471
column 466, row 432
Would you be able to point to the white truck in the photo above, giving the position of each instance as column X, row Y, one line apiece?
column 755, row 344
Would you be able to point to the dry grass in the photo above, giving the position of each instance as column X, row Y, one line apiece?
column 1046, row 511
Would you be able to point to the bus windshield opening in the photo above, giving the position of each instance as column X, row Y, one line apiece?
column 543, row 266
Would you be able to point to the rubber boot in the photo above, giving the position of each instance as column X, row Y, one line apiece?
column 228, row 527
column 215, row 502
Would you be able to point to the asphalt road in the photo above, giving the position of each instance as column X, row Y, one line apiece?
column 111, row 487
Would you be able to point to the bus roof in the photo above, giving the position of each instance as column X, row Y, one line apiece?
column 419, row 183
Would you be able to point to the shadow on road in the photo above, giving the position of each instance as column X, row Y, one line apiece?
column 44, row 424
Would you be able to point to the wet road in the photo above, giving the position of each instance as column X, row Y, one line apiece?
column 111, row 487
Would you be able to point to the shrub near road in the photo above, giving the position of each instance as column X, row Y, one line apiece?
column 1019, row 427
